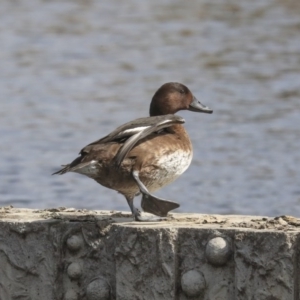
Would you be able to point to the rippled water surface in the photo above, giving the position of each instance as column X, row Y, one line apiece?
column 71, row 71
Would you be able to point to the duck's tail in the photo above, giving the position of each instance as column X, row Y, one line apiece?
column 75, row 164
column 64, row 170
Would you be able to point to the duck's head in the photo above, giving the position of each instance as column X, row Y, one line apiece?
column 172, row 97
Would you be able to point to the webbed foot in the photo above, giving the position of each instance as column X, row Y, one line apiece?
column 157, row 206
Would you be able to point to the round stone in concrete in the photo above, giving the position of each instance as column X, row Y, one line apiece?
column 71, row 295
column 74, row 243
column 74, row 270
column 98, row 289
column 218, row 251
column 193, row 283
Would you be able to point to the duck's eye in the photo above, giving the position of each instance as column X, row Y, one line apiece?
column 181, row 91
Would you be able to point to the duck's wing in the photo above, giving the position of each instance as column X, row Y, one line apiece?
column 131, row 128
column 156, row 124
column 128, row 135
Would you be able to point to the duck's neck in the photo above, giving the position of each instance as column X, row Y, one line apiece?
column 182, row 137
column 159, row 108
column 178, row 129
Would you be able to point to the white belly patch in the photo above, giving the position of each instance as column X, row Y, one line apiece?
column 171, row 166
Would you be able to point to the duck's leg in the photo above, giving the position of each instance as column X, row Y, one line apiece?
column 151, row 204
column 137, row 214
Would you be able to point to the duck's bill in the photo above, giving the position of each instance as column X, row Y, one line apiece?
column 197, row 106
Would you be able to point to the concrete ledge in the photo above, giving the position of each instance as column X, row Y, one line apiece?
column 77, row 254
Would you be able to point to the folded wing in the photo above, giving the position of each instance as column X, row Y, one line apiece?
column 144, row 131
column 128, row 135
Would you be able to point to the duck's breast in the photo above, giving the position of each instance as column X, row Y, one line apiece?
column 167, row 168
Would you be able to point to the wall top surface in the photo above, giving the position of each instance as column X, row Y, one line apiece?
column 176, row 220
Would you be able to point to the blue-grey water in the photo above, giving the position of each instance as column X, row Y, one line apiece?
column 71, row 71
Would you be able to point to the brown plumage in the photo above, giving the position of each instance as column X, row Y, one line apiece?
column 145, row 154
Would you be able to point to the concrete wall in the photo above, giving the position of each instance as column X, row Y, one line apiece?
column 73, row 254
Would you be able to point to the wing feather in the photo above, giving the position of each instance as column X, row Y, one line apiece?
column 134, row 139
column 135, row 126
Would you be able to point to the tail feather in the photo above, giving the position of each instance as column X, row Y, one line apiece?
column 75, row 164
column 64, row 170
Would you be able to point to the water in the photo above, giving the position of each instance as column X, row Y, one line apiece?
column 71, row 71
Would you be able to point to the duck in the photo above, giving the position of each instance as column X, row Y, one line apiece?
column 144, row 155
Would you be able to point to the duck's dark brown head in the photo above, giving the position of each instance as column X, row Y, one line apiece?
column 172, row 97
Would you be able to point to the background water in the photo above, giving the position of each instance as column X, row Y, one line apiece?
column 71, row 71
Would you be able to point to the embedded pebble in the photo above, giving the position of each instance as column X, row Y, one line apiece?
column 74, row 270
column 217, row 251
column 71, row 295
column 74, row 243
column 98, row 289
column 193, row 283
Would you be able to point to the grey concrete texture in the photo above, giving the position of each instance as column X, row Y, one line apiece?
column 69, row 254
